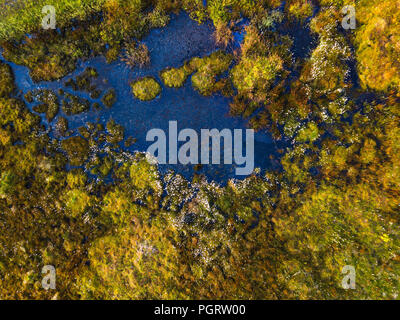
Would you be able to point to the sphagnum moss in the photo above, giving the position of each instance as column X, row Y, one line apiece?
column 146, row 89
column 174, row 77
column 206, row 70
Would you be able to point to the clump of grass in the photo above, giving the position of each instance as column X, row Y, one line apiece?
column 84, row 132
column 256, row 73
column 136, row 55
column 225, row 87
column 95, row 93
column 113, row 53
column 83, row 80
column 158, row 18
column 146, row 89
column 72, row 84
column 174, row 77
column 299, row 9
column 96, row 106
column 130, row 141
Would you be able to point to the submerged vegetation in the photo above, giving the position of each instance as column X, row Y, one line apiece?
column 131, row 233
column 109, row 98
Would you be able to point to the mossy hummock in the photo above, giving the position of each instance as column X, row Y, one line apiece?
column 146, row 89
column 174, row 77
column 206, row 70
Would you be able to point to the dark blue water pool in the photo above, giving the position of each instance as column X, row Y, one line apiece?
column 182, row 39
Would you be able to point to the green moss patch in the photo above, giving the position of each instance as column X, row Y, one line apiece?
column 174, row 77
column 146, row 89
column 208, row 69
